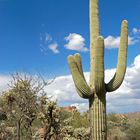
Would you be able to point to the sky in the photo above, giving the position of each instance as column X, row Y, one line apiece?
column 36, row 36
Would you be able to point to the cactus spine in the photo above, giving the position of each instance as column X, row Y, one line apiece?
column 96, row 91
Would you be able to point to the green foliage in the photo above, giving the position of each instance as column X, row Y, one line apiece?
column 134, row 129
column 30, row 115
column 79, row 120
column 121, row 127
column 22, row 107
column 64, row 115
column 3, row 115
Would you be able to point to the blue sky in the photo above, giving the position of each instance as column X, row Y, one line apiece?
column 36, row 36
column 24, row 25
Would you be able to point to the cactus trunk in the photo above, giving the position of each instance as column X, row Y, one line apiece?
column 94, row 33
column 95, row 92
column 97, row 110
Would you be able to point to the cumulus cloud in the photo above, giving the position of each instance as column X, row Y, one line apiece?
column 54, row 47
column 135, row 31
column 114, row 42
column 125, row 99
column 63, row 90
column 75, row 42
column 82, row 106
column 4, row 81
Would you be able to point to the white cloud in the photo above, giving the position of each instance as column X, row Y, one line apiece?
column 45, row 38
column 54, row 47
column 114, row 42
column 4, row 81
column 135, row 31
column 82, row 106
column 47, row 42
column 125, row 99
column 75, row 42
column 48, row 38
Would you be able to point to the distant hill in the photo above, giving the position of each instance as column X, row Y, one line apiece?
column 133, row 115
column 130, row 115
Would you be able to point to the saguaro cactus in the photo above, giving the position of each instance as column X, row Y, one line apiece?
column 96, row 91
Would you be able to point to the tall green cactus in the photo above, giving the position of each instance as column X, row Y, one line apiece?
column 97, row 89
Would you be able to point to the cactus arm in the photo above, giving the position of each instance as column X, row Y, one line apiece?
column 122, row 58
column 99, row 65
column 81, row 86
column 78, row 61
column 94, row 33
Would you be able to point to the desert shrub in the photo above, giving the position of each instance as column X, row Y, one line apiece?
column 133, row 132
